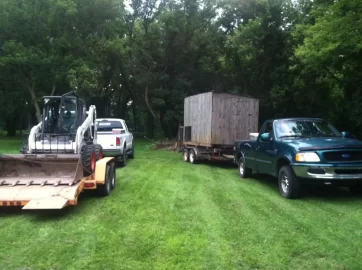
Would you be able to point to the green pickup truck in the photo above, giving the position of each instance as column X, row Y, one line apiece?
column 301, row 151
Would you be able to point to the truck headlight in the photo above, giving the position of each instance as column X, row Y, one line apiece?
column 307, row 157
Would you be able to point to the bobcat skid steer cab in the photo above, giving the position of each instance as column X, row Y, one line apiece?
column 59, row 160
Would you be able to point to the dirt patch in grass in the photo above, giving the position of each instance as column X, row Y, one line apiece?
column 171, row 145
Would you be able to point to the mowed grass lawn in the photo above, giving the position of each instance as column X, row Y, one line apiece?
column 168, row 214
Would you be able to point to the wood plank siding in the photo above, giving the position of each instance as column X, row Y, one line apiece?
column 233, row 118
column 197, row 114
column 219, row 118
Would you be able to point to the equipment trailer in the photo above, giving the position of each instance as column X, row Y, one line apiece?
column 56, row 164
column 193, row 152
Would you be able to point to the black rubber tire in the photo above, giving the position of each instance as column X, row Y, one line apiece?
column 293, row 188
column 87, row 152
column 244, row 172
column 124, row 158
column 186, row 155
column 192, row 156
column 113, row 168
column 105, row 190
column 131, row 155
column 99, row 151
column 356, row 189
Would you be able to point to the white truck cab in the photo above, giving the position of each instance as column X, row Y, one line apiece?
column 114, row 137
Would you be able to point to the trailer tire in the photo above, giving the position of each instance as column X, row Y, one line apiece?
column 89, row 159
column 192, row 156
column 113, row 168
column 243, row 170
column 186, row 155
column 110, row 177
column 99, row 151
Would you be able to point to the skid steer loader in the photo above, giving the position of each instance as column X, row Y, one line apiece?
column 59, row 159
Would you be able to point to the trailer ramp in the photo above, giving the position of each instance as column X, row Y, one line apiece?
column 40, row 181
column 40, row 197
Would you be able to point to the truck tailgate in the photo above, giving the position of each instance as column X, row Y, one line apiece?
column 107, row 140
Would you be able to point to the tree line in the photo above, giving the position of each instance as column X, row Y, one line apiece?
column 139, row 59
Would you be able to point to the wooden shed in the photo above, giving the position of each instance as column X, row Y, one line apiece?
column 215, row 119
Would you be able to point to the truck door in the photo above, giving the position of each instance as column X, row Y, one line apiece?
column 265, row 152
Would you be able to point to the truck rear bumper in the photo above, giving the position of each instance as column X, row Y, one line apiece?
column 328, row 171
column 111, row 152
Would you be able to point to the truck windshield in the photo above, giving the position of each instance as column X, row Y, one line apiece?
column 107, row 126
column 305, row 128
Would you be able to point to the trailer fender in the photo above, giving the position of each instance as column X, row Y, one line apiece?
column 195, row 150
column 101, row 167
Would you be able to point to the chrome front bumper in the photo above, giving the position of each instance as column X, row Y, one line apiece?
column 328, row 172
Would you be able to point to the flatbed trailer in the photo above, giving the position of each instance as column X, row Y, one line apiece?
column 35, row 182
column 194, row 152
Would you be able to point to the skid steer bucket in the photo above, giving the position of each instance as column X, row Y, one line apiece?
column 30, row 179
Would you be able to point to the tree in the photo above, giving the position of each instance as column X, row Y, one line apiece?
column 331, row 53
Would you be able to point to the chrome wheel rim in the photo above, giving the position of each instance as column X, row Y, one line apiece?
column 185, row 155
column 192, row 157
column 113, row 181
column 285, row 183
column 109, row 182
column 241, row 168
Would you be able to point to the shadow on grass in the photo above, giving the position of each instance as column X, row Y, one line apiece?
column 312, row 192
column 222, row 164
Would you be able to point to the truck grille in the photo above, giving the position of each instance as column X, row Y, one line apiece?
column 343, row 156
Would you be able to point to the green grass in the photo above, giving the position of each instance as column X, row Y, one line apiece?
column 168, row 214
column 9, row 145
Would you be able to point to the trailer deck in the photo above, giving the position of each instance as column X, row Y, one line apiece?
column 40, row 197
column 50, row 184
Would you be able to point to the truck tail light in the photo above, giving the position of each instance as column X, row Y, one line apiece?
column 118, row 141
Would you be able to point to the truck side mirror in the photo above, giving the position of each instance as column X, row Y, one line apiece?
column 346, row 134
column 265, row 137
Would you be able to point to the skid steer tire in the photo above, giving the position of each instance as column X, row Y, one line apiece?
column 99, row 151
column 88, row 159
column 110, row 179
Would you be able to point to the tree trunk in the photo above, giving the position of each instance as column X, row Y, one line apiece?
column 150, row 125
column 135, row 120
column 35, row 102
column 10, row 124
column 148, row 104
column 53, row 89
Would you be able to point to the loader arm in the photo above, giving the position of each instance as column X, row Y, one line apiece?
column 31, row 139
column 87, row 125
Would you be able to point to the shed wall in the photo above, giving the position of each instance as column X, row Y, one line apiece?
column 233, row 118
column 219, row 118
column 197, row 114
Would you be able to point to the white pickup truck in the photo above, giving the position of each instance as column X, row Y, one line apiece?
column 116, row 140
